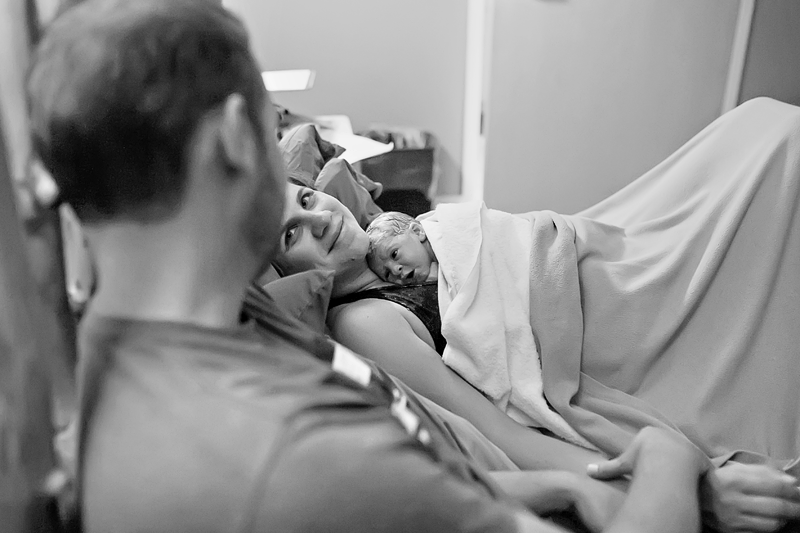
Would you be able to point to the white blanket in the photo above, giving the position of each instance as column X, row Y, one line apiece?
column 484, row 281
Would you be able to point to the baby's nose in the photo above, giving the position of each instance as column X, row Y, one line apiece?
column 397, row 269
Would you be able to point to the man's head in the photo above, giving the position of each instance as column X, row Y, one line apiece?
column 129, row 98
column 397, row 249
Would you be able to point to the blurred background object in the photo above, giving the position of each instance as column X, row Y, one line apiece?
column 37, row 344
column 408, row 172
column 535, row 105
column 288, row 80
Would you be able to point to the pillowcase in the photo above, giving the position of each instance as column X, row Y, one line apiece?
column 304, row 153
column 304, row 296
column 311, row 160
column 339, row 179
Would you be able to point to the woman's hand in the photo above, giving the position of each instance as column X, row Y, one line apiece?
column 750, row 497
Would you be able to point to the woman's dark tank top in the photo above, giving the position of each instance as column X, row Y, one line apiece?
column 422, row 300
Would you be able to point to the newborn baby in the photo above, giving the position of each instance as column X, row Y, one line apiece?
column 399, row 250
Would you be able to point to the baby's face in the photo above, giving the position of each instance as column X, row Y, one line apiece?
column 402, row 260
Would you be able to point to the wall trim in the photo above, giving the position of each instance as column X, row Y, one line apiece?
column 480, row 19
column 741, row 42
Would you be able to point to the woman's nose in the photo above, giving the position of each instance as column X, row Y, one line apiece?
column 319, row 222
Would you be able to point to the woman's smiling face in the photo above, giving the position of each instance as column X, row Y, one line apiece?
column 319, row 232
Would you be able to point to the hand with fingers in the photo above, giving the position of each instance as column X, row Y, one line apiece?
column 663, row 496
column 651, row 448
column 742, row 497
column 734, row 498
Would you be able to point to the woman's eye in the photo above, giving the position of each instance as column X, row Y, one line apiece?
column 305, row 200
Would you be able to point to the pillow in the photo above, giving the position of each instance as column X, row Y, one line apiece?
column 352, row 188
column 304, row 296
column 311, row 160
column 305, row 153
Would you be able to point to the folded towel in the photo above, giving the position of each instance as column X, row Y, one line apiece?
column 484, row 268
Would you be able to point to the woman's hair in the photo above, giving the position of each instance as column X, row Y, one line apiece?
column 299, row 183
column 117, row 90
column 387, row 226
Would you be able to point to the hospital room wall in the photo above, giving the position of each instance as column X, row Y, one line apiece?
column 393, row 63
column 585, row 96
column 772, row 67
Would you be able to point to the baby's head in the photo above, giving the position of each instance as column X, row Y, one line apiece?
column 399, row 251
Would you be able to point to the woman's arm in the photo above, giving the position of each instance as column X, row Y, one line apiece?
column 378, row 330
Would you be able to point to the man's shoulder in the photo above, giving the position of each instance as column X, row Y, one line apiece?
column 365, row 473
column 264, row 376
column 186, row 350
column 205, row 438
column 177, row 410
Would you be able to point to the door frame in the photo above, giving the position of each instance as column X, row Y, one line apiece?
column 477, row 77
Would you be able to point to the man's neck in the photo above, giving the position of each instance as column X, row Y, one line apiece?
column 145, row 273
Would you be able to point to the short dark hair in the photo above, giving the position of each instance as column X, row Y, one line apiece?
column 116, row 90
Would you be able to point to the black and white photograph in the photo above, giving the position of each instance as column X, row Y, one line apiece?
column 399, row 266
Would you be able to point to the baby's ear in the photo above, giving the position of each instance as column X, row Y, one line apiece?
column 418, row 230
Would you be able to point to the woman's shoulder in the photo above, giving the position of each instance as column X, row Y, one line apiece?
column 364, row 313
column 376, row 322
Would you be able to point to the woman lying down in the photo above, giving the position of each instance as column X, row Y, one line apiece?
column 673, row 303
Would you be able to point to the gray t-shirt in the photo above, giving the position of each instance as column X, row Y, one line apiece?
column 192, row 429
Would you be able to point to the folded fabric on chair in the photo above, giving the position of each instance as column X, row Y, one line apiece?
column 676, row 301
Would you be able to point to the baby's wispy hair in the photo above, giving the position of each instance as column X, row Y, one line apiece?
column 387, row 226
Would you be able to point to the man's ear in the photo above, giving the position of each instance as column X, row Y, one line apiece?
column 236, row 138
column 419, row 231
